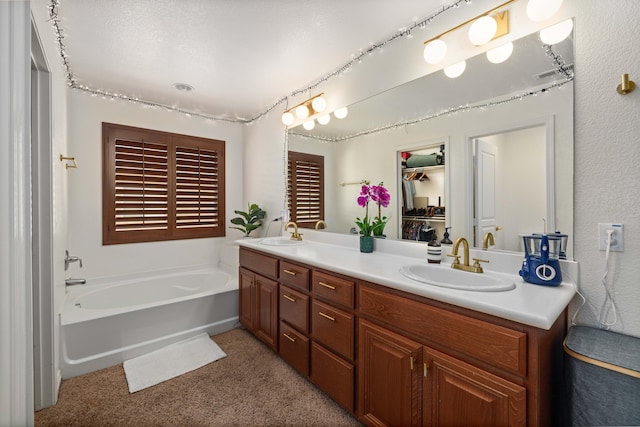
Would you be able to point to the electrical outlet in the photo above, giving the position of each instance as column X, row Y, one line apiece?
column 617, row 241
column 282, row 215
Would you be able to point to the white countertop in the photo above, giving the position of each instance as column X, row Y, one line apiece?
column 533, row 305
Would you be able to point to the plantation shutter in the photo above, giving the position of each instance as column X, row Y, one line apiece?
column 161, row 186
column 141, row 181
column 197, row 187
column 306, row 188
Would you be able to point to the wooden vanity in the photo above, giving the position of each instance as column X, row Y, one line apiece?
column 394, row 358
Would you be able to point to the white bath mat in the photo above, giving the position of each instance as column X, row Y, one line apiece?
column 171, row 361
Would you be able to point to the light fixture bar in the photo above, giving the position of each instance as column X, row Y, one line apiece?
column 500, row 18
column 307, row 102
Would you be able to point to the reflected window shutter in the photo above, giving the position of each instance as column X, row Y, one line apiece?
column 197, row 187
column 141, row 179
column 307, row 188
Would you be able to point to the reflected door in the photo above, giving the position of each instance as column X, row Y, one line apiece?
column 485, row 190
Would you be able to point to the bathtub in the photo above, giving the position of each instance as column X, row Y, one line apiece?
column 105, row 324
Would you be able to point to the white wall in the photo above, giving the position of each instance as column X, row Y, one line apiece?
column 86, row 114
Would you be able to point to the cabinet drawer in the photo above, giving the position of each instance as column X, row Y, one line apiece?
column 259, row 263
column 294, row 275
column 294, row 348
column 333, row 375
column 333, row 327
column 333, row 288
column 294, row 308
column 499, row 346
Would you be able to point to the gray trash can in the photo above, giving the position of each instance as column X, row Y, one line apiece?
column 602, row 378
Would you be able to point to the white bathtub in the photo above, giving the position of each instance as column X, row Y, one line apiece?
column 105, row 324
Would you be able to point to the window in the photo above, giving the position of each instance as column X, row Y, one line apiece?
column 306, row 188
column 160, row 186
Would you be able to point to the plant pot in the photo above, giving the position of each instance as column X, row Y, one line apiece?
column 366, row 244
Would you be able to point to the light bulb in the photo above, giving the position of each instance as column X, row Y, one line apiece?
column 288, row 118
column 455, row 70
column 309, row 124
column 540, row 10
column 556, row 33
column 482, row 30
column 324, row 119
column 500, row 54
column 341, row 113
column 319, row 104
column 302, row 111
column 435, row 51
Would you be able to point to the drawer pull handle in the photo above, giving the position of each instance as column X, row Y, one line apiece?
column 326, row 285
column 289, row 298
column 326, row 316
column 293, row 273
column 289, row 337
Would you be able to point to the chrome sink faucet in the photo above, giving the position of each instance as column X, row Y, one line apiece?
column 475, row 268
column 69, row 259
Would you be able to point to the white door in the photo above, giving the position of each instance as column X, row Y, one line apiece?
column 485, row 190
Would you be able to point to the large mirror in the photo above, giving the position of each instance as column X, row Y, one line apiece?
column 522, row 107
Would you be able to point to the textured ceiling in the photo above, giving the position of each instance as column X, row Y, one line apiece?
column 241, row 56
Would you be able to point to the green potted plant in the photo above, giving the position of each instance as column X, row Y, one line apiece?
column 250, row 220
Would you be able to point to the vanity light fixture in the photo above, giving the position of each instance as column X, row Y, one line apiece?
column 500, row 54
column 484, row 28
column 455, row 70
column 324, row 119
column 341, row 113
column 308, row 108
column 556, row 33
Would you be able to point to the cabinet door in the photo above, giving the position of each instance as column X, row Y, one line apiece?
column 246, row 306
column 458, row 394
column 390, row 372
column 266, row 321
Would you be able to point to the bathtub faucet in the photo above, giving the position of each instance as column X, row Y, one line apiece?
column 69, row 259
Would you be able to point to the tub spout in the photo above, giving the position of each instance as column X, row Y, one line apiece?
column 74, row 282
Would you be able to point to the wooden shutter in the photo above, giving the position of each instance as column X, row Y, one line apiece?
column 160, row 186
column 197, row 187
column 141, row 179
column 306, row 188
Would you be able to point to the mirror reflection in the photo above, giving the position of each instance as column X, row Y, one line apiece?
column 522, row 106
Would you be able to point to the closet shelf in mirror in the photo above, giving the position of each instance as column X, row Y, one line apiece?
column 423, row 218
column 422, row 169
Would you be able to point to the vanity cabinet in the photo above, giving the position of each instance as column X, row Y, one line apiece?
column 427, row 363
column 395, row 358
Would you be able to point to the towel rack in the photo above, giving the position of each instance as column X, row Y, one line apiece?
column 355, row 182
column 72, row 165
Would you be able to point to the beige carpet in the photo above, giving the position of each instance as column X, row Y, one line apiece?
column 252, row 386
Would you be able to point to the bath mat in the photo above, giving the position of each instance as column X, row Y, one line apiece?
column 171, row 361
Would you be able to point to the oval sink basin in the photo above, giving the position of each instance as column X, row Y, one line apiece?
column 281, row 241
column 447, row 277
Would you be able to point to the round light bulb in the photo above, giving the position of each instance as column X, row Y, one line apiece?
column 482, row 30
column 435, row 51
column 324, row 119
column 455, row 70
column 500, row 54
column 309, row 124
column 556, row 33
column 319, row 104
column 288, row 118
column 540, row 10
column 302, row 111
column 341, row 113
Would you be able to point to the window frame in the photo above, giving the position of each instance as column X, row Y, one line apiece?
column 216, row 210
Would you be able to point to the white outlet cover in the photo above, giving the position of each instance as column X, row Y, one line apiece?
column 617, row 244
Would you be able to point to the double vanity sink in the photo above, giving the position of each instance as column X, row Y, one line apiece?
column 432, row 274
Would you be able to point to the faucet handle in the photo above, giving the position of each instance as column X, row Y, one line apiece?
column 476, row 264
column 456, row 259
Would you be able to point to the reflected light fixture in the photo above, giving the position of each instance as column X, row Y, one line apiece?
column 484, row 28
column 309, row 124
column 500, row 54
column 323, row 119
column 341, row 113
column 455, row 70
column 540, row 10
column 308, row 108
column 556, row 33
